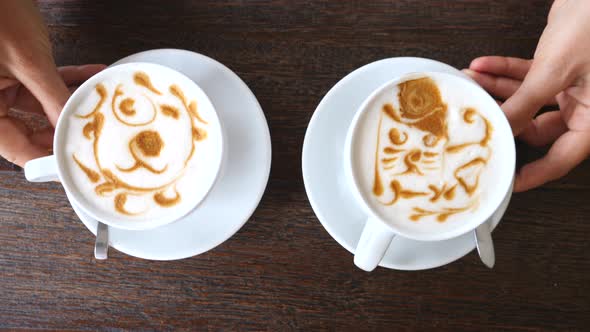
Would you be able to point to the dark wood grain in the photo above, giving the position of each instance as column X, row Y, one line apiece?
column 283, row 271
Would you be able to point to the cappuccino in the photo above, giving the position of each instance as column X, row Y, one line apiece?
column 143, row 143
column 424, row 155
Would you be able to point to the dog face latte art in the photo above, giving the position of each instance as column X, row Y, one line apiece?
column 139, row 143
column 424, row 153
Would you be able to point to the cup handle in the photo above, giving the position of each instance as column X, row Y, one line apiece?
column 42, row 169
column 372, row 245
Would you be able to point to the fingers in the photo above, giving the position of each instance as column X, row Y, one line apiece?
column 15, row 145
column 3, row 107
column 71, row 75
column 43, row 81
column 7, row 82
column 544, row 129
column 544, row 80
column 500, row 76
column 27, row 55
column 568, row 151
column 21, row 99
column 43, row 138
column 514, row 68
column 75, row 75
column 498, row 86
column 580, row 93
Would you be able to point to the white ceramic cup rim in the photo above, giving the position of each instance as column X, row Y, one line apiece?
column 59, row 151
column 505, row 187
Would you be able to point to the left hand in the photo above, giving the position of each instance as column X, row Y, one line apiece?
column 30, row 81
column 18, row 143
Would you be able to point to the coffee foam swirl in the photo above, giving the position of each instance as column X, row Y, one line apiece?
column 428, row 156
column 141, row 139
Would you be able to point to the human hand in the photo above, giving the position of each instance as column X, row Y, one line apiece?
column 30, row 81
column 558, row 74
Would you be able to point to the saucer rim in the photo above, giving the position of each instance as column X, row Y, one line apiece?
column 330, row 227
column 167, row 52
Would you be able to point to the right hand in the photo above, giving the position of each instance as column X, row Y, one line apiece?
column 30, row 81
column 559, row 73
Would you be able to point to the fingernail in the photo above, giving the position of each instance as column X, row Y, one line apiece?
column 469, row 72
column 475, row 61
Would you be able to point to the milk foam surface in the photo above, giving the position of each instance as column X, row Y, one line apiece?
column 137, row 149
column 419, row 183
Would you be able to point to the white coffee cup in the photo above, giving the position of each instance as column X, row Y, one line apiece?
column 54, row 168
column 379, row 232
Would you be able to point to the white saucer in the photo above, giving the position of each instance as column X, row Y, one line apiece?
column 237, row 192
column 325, row 181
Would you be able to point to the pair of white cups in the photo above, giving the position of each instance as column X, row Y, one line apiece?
column 54, row 168
column 377, row 234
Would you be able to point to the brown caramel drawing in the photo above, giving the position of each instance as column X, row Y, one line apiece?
column 437, row 192
column 430, row 140
column 388, row 109
column 410, row 160
column 386, row 168
column 92, row 175
column 146, row 143
column 489, row 131
column 164, row 201
column 389, row 150
column 102, row 92
column 126, row 107
column 396, row 137
column 170, row 111
column 399, row 192
column 388, row 160
column 421, row 107
column 150, row 144
column 142, row 79
column 120, row 201
column 97, row 125
column 441, row 215
column 447, row 193
column 112, row 182
column 377, row 185
column 468, row 117
column 197, row 133
column 450, row 193
column 93, row 127
column 469, row 188
column 469, row 114
column 191, row 108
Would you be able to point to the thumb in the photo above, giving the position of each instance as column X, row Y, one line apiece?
column 544, row 80
column 42, row 79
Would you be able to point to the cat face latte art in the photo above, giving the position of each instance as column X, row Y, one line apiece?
column 425, row 155
column 140, row 145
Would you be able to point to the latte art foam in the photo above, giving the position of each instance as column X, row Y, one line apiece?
column 424, row 154
column 138, row 143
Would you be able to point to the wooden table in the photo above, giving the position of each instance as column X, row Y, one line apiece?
column 283, row 271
